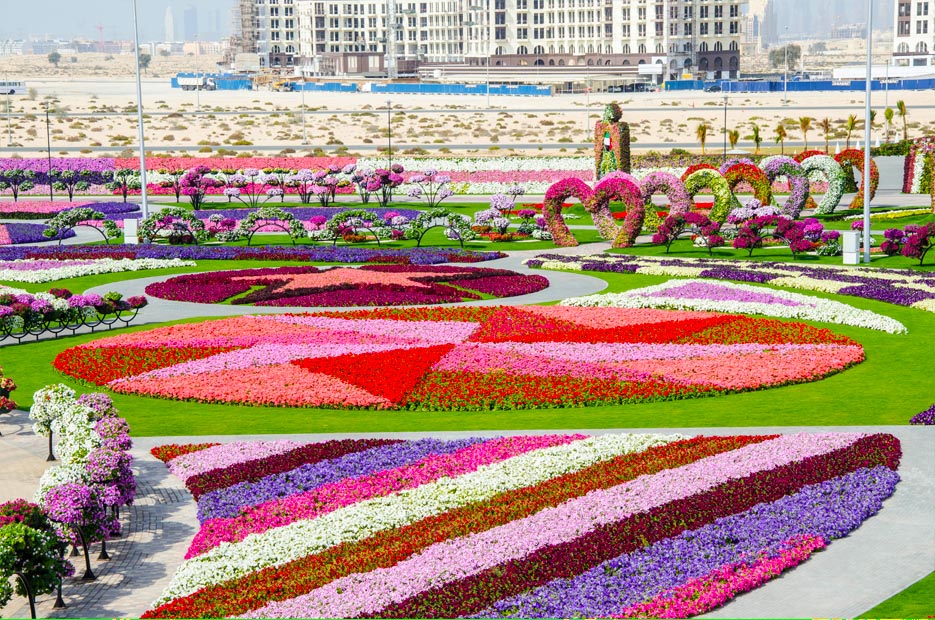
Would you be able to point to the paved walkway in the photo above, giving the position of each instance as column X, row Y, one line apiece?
column 889, row 552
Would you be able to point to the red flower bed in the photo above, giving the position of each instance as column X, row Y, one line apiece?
column 105, row 364
column 173, row 450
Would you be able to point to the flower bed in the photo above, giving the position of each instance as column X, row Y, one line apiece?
column 896, row 286
column 14, row 234
column 48, row 270
column 743, row 298
column 413, row 256
column 525, row 526
column 36, row 209
column 384, row 285
column 473, row 358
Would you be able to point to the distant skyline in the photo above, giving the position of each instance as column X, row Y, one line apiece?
column 67, row 19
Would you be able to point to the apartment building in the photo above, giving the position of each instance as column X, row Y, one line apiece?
column 914, row 33
column 664, row 39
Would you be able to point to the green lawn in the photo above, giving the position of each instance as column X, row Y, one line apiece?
column 888, row 388
column 916, row 601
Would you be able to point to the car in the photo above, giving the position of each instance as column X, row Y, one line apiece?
column 714, row 88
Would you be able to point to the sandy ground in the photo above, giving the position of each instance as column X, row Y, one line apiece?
column 97, row 115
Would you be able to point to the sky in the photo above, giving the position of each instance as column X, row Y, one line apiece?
column 69, row 19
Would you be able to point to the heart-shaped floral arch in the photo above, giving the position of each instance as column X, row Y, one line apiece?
column 835, row 175
column 757, row 179
column 712, row 179
column 596, row 202
column 777, row 166
column 855, row 157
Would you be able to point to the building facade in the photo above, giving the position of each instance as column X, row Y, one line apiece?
column 663, row 39
column 914, row 33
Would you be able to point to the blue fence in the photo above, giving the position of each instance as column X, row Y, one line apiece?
column 327, row 87
column 774, row 86
column 523, row 90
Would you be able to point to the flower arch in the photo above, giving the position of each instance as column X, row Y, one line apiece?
column 742, row 171
column 777, row 166
column 835, row 175
column 712, row 179
column 167, row 219
column 456, row 227
column 855, row 158
column 270, row 216
column 355, row 218
column 58, row 226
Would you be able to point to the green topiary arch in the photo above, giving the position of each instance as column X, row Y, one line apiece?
column 457, row 228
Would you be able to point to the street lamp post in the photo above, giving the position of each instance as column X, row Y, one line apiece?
column 9, row 125
column 785, row 70
column 867, row 130
column 139, row 112
column 304, row 130
column 725, row 128
column 389, row 134
column 48, row 148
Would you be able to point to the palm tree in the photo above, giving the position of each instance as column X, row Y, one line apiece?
column 888, row 114
column 702, row 132
column 901, row 109
column 781, row 137
column 756, row 137
column 733, row 136
column 850, row 126
column 805, row 124
column 825, row 126
column 873, row 118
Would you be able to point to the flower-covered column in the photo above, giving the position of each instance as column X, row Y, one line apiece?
column 611, row 143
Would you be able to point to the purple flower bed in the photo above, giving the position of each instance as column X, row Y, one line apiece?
column 117, row 210
column 324, row 254
column 829, row 510
column 301, row 213
column 228, row 502
column 866, row 284
column 16, row 233
column 926, row 417
column 372, row 285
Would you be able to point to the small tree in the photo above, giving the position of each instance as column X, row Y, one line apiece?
column 71, row 181
column 805, row 125
column 756, row 137
column 122, row 180
column 733, row 137
column 35, row 556
column 888, row 114
column 920, row 240
column 145, row 59
column 54, row 58
column 781, row 135
column 16, row 180
column 702, row 132
column 80, row 510
column 850, row 126
column 903, row 114
column 826, row 128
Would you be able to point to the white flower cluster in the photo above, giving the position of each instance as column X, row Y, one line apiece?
column 918, row 169
column 12, row 271
column 57, row 476
column 890, row 215
column 483, row 164
column 49, row 404
column 364, row 519
column 76, row 435
column 728, row 297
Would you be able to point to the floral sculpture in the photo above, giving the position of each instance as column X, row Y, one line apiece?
column 345, row 225
column 832, row 170
column 383, row 181
column 748, row 172
column 855, row 159
column 49, row 404
column 16, row 180
column 270, row 217
column 611, row 143
column 63, row 223
column 920, row 240
column 80, row 510
column 711, row 178
column 919, row 167
column 195, row 182
column 781, row 166
column 597, row 203
column 174, row 223
column 121, row 181
column 457, row 228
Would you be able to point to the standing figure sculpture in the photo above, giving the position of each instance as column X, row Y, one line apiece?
column 611, row 143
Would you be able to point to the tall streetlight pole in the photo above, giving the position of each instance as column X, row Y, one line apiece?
column 785, row 70
column 139, row 112
column 389, row 134
column 725, row 128
column 9, row 125
column 304, row 130
column 48, row 146
column 867, row 130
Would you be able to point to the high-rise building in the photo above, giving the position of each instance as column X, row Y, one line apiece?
column 170, row 25
column 914, row 33
column 669, row 37
column 190, row 22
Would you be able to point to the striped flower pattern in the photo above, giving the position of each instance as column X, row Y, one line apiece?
column 468, row 358
column 613, row 525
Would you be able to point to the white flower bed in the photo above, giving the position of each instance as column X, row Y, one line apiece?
column 12, row 271
column 481, row 164
column 808, row 308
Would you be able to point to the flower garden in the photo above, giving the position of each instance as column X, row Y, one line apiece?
column 721, row 302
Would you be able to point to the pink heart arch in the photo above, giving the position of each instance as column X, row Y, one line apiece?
column 597, row 203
